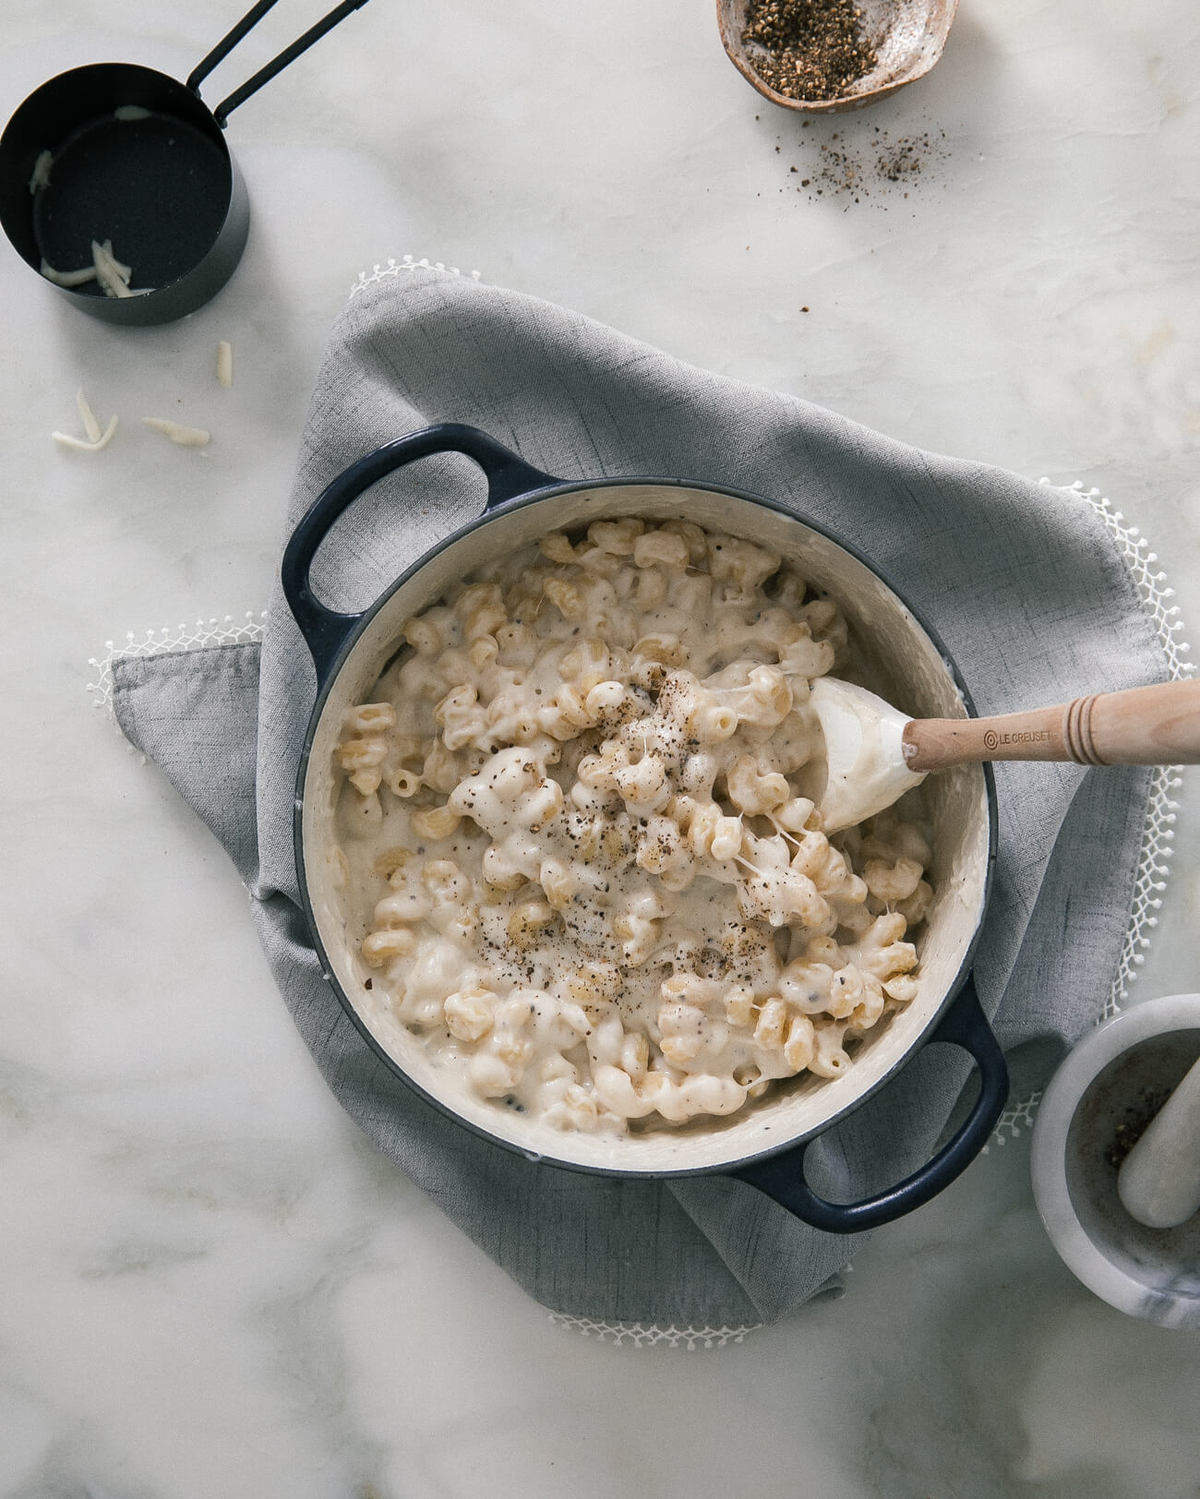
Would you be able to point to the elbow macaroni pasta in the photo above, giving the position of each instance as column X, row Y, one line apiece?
column 580, row 856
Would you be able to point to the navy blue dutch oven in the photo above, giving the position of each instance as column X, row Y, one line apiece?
column 764, row 1144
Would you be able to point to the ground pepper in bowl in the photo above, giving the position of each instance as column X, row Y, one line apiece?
column 814, row 49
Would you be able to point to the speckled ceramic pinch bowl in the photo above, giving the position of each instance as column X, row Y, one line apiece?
column 1097, row 1103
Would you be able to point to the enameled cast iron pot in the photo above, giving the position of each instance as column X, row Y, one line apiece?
column 765, row 1145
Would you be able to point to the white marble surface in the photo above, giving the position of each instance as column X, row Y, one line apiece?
column 212, row 1285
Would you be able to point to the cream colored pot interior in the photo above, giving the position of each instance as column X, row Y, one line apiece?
column 910, row 672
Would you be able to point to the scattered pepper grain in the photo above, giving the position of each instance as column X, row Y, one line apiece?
column 1133, row 1125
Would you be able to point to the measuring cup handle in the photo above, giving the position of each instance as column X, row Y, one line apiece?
column 782, row 1177
column 326, row 629
column 264, row 75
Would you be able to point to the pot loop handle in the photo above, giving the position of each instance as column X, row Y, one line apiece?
column 782, row 1177
column 325, row 629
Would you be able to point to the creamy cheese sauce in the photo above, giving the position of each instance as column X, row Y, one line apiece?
column 578, row 846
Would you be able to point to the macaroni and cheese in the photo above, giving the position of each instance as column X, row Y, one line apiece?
column 575, row 836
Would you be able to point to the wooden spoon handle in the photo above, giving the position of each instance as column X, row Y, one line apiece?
column 1157, row 725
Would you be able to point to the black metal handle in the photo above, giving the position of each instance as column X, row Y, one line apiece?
column 325, row 630
column 782, row 1177
column 264, row 75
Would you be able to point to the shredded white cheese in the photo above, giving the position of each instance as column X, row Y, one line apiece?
column 68, row 278
column 88, row 417
column 41, row 171
column 90, row 445
column 225, row 364
column 111, row 274
column 96, row 438
column 186, row 437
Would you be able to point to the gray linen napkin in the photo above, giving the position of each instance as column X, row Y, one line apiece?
column 1022, row 581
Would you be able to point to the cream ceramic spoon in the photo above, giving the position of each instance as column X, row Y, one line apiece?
column 1159, row 1180
column 874, row 753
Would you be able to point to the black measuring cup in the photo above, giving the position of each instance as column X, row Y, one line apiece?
column 121, row 156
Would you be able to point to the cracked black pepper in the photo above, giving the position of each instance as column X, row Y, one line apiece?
column 811, row 49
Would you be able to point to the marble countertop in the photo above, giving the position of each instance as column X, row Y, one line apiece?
column 213, row 1285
